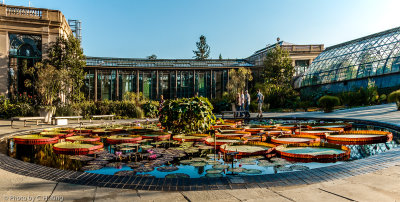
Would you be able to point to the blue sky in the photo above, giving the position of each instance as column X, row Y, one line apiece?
column 234, row 28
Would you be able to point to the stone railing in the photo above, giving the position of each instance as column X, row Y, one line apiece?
column 304, row 48
column 23, row 12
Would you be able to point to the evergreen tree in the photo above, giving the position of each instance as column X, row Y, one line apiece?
column 220, row 57
column 203, row 50
column 277, row 74
column 152, row 57
column 278, row 68
column 66, row 54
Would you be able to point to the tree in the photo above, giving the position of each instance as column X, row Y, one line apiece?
column 278, row 68
column 152, row 57
column 48, row 83
column 66, row 54
column 238, row 80
column 203, row 50
column 277, row 74
column 220, row 57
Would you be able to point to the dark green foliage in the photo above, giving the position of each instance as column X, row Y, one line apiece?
column 278, row 67
column 382, row 98
column 203, row 50
column 328, row 102
column 277, row 74
column 187, row 115
column 122, row 109
column 151, row 109
column 152, row 57
column 395, row 97
column 361, row 97
column 8, row 109
column 305, row 105
column 277, row 96
column 66, row 54
column 221, row 104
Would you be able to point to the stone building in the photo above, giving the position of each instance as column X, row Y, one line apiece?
column 25, row 34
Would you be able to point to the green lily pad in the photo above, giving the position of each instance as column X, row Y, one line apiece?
column 198, row 164
column 214, row 171
column 252, row 171
column 220, row 166
column 212, row 175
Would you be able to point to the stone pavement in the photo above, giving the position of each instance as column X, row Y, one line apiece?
column 380, row 185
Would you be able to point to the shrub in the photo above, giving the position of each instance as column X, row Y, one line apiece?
column 327, row 102
column 394, row 97
column 67, row 110
column 187, row 115
column 121, row 109
column 305, row 105
column 9, row 109
column 221, row 104
column 382, row 98
column 151, row 109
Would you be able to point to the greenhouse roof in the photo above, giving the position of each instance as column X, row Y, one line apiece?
column 369, row 56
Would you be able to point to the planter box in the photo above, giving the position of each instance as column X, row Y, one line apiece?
column 61, row 122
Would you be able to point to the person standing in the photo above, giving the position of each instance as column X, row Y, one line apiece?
column 238, row 103
column 161, row 103
column 260, row 100
column 242, row 103
column 247, row 103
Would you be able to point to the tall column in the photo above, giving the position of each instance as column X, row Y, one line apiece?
column 95, row 84
column 4, row 47
column 137, row 82
column 176, row 83
column 224, row 86
column 194, row 82
column 158, row 85
column 180, row 87
column 117, row 86
column 211, row 84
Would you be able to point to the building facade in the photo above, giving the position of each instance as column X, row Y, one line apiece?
column 302, row 55
column 353, row 64
column 111, row 78
column 25, row 34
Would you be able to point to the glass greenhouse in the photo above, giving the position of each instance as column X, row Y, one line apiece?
column 351, row 65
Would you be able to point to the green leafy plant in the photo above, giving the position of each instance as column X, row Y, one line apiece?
column 328, row 102
column 395, row 97
column 122, row 109
column 151, row 109
column 187, row 115
column 48, row 84
column 9, row 109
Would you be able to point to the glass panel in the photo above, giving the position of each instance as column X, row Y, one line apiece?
column 164, row 84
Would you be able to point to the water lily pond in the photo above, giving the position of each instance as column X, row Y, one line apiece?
column 239, row 148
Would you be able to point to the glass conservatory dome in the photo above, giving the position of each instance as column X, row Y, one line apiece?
column 356, row 61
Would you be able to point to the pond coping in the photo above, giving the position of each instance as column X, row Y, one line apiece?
column 316, row 175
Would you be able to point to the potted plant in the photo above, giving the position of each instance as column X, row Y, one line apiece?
column 48, row 87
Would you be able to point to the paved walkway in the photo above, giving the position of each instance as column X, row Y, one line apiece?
column 380, row 185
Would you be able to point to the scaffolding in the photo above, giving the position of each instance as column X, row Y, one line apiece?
column 76, row 27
